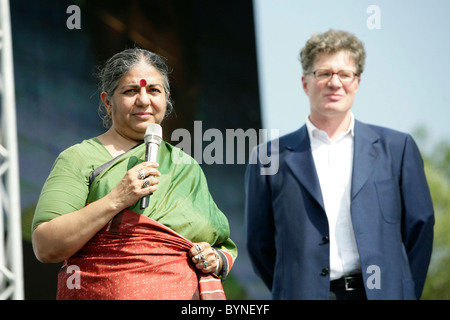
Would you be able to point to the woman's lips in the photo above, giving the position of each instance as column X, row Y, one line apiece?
column 143, row 115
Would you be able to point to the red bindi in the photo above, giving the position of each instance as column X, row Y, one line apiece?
column 143, row 83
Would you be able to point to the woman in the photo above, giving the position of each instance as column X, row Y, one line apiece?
column 88, row 213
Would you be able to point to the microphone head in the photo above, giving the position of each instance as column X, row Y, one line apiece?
column 153, row 133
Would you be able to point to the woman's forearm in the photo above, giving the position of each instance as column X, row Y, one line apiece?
column 60, row 238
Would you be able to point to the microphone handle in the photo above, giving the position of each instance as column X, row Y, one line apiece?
column 151, row 154
column 146, row 200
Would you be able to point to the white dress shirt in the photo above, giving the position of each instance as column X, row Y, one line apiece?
column 334, row 161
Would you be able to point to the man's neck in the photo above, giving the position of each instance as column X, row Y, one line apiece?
column 333, row 125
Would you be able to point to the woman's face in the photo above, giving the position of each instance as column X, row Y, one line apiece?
column 138, row 100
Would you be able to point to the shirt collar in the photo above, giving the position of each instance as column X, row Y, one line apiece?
column 315, row 132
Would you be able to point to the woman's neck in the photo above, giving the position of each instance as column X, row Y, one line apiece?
column 116, row 143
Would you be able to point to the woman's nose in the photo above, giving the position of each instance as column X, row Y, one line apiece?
column 143, row 98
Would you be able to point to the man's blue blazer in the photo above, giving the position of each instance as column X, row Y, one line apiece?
column 391, row 211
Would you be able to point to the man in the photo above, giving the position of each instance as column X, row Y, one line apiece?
column 348, row 214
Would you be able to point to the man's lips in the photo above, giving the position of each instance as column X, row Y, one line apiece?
column 334, row 96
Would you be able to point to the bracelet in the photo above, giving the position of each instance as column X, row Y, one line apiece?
column 218, row 262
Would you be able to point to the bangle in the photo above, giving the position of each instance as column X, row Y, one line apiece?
column 218, row 262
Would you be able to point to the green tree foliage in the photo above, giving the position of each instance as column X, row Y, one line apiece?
column 437, row 169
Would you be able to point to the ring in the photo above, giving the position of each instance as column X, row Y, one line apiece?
column 146, row 184
column 200, row 257
column 141, row 174
column 205, row 264
column 198, row 247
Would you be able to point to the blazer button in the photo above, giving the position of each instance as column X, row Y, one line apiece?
column 325, row 239
column 324, row 272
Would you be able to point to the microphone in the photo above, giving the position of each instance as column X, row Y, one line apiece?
column 152, row 139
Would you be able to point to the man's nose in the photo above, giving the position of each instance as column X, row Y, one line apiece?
column 335, row 81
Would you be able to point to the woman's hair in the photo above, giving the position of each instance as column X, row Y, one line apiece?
column 119, row 64
column 331, row 42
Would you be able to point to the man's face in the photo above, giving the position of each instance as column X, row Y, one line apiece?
column 331, row 97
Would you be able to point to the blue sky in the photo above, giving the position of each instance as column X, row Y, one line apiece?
column 406, row 82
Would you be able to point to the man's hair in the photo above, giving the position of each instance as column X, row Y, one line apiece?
column 331, row 42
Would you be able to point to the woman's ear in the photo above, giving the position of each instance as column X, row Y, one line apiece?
column 106, row 102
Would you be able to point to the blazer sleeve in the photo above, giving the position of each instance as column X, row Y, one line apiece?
column 418, row 214
column 260, row 229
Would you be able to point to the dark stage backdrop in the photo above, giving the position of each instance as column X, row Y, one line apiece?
column 209, row 44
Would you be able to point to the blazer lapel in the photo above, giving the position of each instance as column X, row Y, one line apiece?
column 301, row 163
column 364, row 156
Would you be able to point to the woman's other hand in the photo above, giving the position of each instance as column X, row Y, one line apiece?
column 205, row 258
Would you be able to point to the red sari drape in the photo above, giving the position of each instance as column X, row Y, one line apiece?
column 137, row 258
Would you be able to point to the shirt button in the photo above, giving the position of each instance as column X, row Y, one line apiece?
column 324, row 272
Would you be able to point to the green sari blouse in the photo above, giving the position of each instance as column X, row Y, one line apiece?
column 182, row 201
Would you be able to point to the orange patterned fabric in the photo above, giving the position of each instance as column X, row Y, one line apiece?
column 135, row 258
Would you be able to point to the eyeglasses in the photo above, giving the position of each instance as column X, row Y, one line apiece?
column 345, row 76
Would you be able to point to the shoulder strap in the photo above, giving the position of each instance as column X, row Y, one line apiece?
column 98, row 170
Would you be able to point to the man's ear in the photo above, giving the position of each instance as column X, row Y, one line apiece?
column 305, row 85
column 359, row 82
